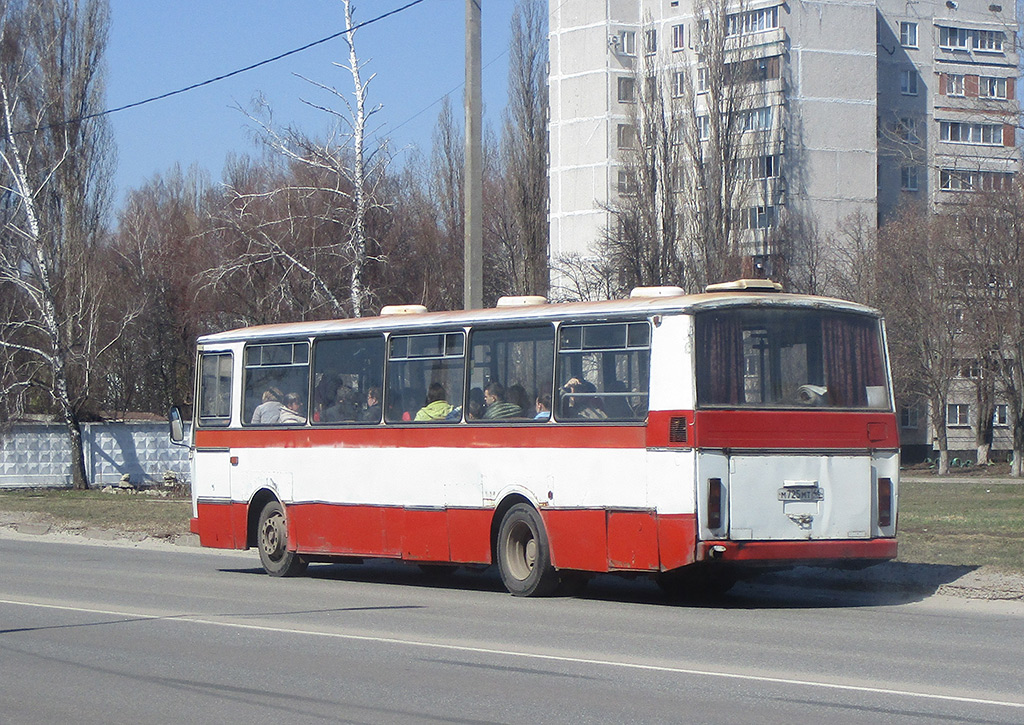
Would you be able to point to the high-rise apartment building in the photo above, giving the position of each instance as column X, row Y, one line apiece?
column 862, row 104
column 947, row 105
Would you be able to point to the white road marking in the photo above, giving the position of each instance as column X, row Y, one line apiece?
column 525, row 655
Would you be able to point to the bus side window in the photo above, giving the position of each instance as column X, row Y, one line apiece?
column 347, row 374
column 215, row 389
column 604, row 371
column 276, row 390
column 511, row 369
column 425, row 378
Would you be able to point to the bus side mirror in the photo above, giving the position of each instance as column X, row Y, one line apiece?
column 177, row 427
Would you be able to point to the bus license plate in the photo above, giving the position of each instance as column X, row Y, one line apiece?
column 801, row 493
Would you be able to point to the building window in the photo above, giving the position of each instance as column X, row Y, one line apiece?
column 955, row 84
column 990, row 41
column 976, row 134
column 627, row 42
column 650, row 42
column 678, row 79
column 626, row 183
column 757, row 217
column 702, row 79
column 753, row 21
column 981, row 41
column 703, row 128
column 1001, row 416
column 953, row 38
column 759, row 167
column 908, row 82
column 908, row 35
column 909, row 417
column 992, row 88
column 756, row 119
column 958, row 415
column 906, row 130
column 908, row 178
column 626, row 136
column 960, row 180
column 627, row 90
column 678, row 37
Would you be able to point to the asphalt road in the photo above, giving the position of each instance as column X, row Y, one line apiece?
column 115, row 634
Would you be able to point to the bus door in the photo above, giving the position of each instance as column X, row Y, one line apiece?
column 790, row 497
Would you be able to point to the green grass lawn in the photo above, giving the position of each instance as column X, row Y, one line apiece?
column 962, row 523
column 939, row 522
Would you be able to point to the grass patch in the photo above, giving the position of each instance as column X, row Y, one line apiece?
column 962, row 523
column 125, row 512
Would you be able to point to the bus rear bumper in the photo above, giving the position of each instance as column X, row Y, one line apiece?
column 815, row 551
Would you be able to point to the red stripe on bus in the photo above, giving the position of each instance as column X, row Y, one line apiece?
column 794, row 429
column 455, row 436
column 583, row 539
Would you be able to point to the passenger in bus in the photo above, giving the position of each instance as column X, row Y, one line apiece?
column 517, row 394
column 291, row 413
column 268, row 412
column 437, row 407
column 543, row 406
column 372, row 412
column 496, row 405
column 474, row 406
column 578, row 401
column 346, row 406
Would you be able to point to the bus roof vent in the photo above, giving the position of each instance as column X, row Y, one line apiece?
column 402, row 310
column 521, row 300
column 667, row 291
column 745, row 285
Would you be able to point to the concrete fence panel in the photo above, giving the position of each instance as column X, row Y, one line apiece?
column 38, row 454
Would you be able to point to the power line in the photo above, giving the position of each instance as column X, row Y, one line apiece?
column 225, row 76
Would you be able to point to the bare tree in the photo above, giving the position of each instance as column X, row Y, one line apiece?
column 918, row 288
column 341, row 168
column 54, row 174
column 643, row 244
column 991, row 297
column 524, row 152
column 156, row 258
column 696, row 192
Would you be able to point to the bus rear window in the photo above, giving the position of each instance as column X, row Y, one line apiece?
column 789, row 358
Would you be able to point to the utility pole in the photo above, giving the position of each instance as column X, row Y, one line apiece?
column 473, row 291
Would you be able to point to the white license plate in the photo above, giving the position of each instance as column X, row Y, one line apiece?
column 801, row 493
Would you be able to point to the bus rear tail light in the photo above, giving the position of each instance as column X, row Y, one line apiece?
column 885, row 502
column 715, row 492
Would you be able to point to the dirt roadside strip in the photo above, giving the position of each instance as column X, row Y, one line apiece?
column 897, row 577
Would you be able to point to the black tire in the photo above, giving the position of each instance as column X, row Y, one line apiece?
column 272, row 542
column 524, row 556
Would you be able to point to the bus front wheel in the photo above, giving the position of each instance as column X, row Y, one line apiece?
column 524, row 557
column 272, row 540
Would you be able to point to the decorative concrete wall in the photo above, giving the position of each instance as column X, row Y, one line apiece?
column 34, row 454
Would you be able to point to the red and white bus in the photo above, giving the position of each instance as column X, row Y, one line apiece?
column 686, row 436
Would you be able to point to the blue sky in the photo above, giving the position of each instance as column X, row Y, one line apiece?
column 156, row 47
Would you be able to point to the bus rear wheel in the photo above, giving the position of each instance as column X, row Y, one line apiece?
column 272, row 542
column 523, row 553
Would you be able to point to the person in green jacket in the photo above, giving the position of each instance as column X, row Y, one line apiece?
column 497, row 406
column 437, row 407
